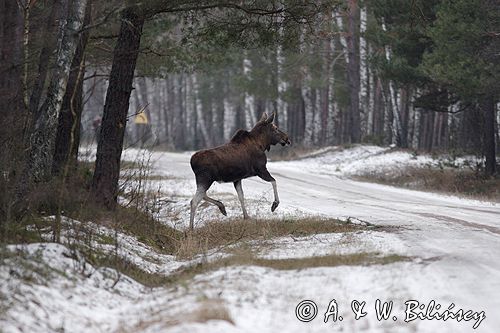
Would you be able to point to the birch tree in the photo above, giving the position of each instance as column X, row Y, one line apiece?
column 42, row 136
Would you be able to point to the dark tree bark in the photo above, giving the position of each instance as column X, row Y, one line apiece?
column 353, row 75
column 429, row 130
column 11, row 97
column 68, row 129
column 179, row 117
column 405, row 110
column 488, row 108
column 388, row 113
column 11, row 61
column 165, row 109
column 296, row 114
column 109, row 148
column 219, row 91
column 325, row 93
column 325, row 104
column 378, row 110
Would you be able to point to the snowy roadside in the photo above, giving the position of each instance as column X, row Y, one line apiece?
column 364, row 160
column 49, row 288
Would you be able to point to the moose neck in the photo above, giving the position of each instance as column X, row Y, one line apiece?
column 261, row 139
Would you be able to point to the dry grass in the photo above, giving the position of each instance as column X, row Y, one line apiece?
column 237, row 240
column 332, row 260
column 216, row 234
column 209, row 309
column 460, row 182
column 246, row 256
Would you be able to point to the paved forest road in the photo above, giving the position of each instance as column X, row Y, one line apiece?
column 457, row 240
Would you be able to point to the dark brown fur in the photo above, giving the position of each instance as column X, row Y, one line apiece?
column 244, row 156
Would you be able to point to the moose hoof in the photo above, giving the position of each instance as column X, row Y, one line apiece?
column 274, row 206
column 223, row 210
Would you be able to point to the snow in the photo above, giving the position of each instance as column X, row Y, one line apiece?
column 328, row 244
column 65, row 294
column 358, row 160
column 452, row 246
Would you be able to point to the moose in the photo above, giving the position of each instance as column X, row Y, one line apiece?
column 242, row 157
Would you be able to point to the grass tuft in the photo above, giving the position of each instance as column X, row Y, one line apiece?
column 215, row 234
column 455, row 181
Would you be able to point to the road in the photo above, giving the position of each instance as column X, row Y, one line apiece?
column 456, row 242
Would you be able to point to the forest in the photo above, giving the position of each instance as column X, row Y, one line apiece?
column 414, row 74
column 390, row 189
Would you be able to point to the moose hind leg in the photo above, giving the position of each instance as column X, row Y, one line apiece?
column 239, row 190
column 200, row 193
column 217, row 203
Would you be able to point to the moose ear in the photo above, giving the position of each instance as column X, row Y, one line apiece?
column 271, row 119
column 263, row 118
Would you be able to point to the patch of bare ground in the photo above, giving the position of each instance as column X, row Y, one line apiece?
column 467, row 183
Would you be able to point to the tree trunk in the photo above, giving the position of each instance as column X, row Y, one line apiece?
column 109, row 148
column 59, row 8
column 488, row 108
column 179, row 116
column 378, row 111
column 68, row 129
column 43, row 135
column 353, row 75
column 11, row 97
column 218, row 107
column 11, row 61
column 405, row 115
column 429, row 133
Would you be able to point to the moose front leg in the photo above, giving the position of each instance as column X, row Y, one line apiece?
column 265, row 175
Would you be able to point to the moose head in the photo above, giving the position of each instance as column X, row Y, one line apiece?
column 269, row 133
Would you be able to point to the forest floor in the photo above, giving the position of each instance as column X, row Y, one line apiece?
column 367, row 241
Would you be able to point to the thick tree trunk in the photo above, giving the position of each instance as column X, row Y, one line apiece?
column 11, row 97
column 42, row 138
column 68, row 129
column 109, row 148
column 488, row 108
column 11, row 61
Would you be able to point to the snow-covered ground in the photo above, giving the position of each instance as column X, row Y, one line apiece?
column 452, row 245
